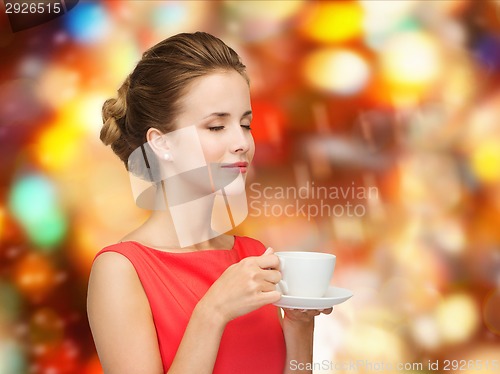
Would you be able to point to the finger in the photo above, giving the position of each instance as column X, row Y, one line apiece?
column 268, row 261
column 327, row 311
column 269, row 297
column 311, row 312
column 305, row 315
column 267, row 286
column 269, row 250
column 272, row 276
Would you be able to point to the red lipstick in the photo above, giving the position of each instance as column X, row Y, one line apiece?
column 237, row 166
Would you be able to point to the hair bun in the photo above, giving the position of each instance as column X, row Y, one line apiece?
column 114, row 111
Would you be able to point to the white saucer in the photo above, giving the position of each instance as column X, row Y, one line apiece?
column 334, row 296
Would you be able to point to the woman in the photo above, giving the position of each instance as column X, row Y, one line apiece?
column 175, row 295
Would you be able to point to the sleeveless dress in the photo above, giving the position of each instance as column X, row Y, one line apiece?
column 175, row 282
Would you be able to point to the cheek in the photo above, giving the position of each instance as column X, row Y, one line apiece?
column 213, row 149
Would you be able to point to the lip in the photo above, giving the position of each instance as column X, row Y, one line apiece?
column 240, row 166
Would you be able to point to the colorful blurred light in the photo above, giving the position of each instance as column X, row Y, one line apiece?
column 422, row 270
column 2, row 221
column 487, row 51
column 455, row 7
column 12, row 357
column 107, row 209
column 118, row 61
column 429, row 182
column 61, row 359
column 32, row 67
column 269, row 123
column 482, row 123
column 367, row 341
column 106, row 193
column 410, row 62
column 88, row 22
column 450, row 235
column 343, row 72
column 89, row 239
column 58, row 146
column 93, row 366
column 414, row 294
column 349, row 229
column 333, row 21
column 169, row 14
column 89, row 111
column 275, row 10
column 491, row 311
column 457, row 318
column 34, row 276
column 170, row 18
column 425, row 332
column 34, row 203
column 57, row 85
column 480, row 358
column 48, row 232
column 10, row 302
column 46, row 329
column 19, row 105
column 256, row 20
column 382, row 18
column 485, row 161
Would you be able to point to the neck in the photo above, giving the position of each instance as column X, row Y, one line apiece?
column 189, row 218
column 186, row 224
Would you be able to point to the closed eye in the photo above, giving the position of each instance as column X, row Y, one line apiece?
column 216, row 128
column 247, row 127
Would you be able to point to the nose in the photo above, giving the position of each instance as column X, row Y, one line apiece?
column 240, row 140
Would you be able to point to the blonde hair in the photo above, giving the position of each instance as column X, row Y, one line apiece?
column 151, row 94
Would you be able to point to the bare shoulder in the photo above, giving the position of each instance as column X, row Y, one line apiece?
column 110, row 264
column 120, row 317
column 113, row 275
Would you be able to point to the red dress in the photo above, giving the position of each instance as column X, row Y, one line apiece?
column 175, row 282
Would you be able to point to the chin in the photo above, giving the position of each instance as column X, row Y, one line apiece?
column 236, row 187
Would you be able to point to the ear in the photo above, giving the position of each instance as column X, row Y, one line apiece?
column 157, row 141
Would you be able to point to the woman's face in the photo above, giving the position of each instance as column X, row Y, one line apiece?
column 218, row 105
column 213, row 128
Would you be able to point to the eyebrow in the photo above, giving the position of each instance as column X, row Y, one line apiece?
column 224, row 114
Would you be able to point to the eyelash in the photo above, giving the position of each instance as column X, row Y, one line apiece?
column 219, row 128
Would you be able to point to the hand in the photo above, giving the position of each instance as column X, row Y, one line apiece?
column 244, row 287
column 304, row 316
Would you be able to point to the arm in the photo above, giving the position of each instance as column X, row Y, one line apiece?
column 120, row 318
column 123, row 327
column 298, row 330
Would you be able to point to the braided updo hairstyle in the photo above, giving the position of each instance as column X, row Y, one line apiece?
column 151, row 94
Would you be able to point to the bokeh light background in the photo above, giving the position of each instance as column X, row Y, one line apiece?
column 402, row 96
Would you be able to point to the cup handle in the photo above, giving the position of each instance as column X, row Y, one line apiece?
column 283, row 287
column 282, row 284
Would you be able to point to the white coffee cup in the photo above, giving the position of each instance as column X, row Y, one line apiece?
column 305, row 274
